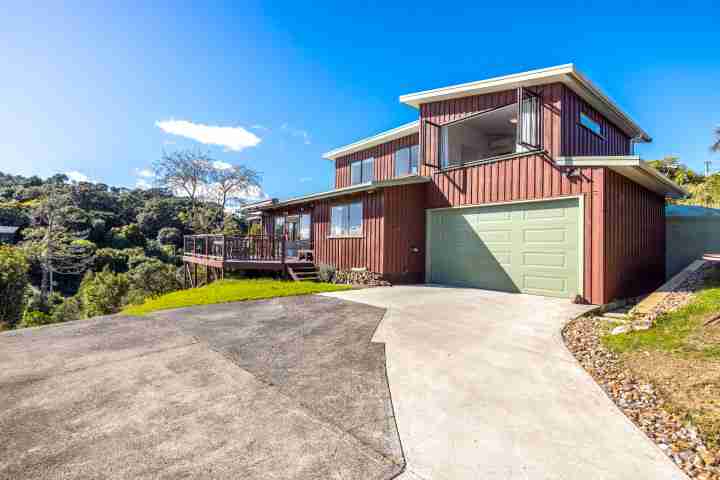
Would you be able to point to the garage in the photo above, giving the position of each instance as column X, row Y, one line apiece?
column 529, row 247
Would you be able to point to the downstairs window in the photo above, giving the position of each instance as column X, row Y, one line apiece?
column 346, row 219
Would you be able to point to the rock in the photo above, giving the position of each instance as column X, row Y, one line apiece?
column 641, row 325
column 621, row 329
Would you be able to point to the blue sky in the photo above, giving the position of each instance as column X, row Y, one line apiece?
column 86, row 89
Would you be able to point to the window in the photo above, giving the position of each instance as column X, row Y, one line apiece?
column 590, row 124
column 346, row 219
column 279, row 225
column 361, row 171
column 406, row 161
column 304, row 233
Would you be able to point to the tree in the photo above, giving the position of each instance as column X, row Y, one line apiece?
column 170, row 236
column 715, row 147
column 63, row 249
column 184, row 172
column 152, row 278
column 13, row 285
column 671, row 167
column 231, row 181
column 158, row 213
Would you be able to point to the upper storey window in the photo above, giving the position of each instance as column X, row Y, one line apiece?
column 406, row 161
column 590, row 124
column 361, row 171
column 504, row 130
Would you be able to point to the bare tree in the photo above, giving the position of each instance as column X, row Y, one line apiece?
column 231, row 181
column 715, row 147
column 184, row 172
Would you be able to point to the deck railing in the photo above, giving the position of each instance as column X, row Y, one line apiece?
column 248, row 248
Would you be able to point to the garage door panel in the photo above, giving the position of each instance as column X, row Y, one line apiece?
column 530, row 247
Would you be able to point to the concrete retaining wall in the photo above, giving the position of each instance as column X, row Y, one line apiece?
column 687, row 239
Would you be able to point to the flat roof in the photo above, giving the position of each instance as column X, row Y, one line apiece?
column 632, row 167
column 362, row 187
column 566, row 74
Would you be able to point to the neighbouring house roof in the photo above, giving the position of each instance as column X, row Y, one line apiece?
column 632, row 167
column 362, row 187
column 566, row 74
column 690, row 211
column 377, row 139
column 5, row 230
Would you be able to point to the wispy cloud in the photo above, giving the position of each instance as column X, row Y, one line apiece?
column 297, row 132
column 222, row 165
column 305, row 179
column 232, row 138
column 262, row 128
column 76, row 176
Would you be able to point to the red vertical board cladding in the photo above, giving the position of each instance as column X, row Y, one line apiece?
column 530, row 177
column 635, row 238
column 405, row 233
column 384, row 165
column 578, row 140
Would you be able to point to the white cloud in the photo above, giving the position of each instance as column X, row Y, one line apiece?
column 252, row 194
column 305, row 179
column 143, row 184
column 144, row 173
column 222, row 165
column 297, row 132
column 232, row 138
column 76, row 176
column 262, row 128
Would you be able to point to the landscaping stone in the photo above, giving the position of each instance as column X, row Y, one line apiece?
column 640, row 400
column 357, row 276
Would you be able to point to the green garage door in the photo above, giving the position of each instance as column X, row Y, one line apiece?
column 524, row 247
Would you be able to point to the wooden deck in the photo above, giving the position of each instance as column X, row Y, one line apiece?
column 216, row 254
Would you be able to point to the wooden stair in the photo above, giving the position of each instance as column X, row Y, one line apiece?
column 304, row 273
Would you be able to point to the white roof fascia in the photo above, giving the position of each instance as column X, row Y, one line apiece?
column 380, row 138
column 632, row 167
column 566, row 74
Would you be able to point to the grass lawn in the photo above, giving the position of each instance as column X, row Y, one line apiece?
column 231, row 291
column 681, row 356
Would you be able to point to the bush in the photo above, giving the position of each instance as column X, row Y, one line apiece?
column 68, row 310
column 127, row 236
column 115, row 260
column 326, row 272
column 170, row 236
column 102, row 293
column 151, row 278
column 35, row 318
column 164, row 253
column 13, row 285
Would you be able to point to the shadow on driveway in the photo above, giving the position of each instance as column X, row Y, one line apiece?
column 287, row 388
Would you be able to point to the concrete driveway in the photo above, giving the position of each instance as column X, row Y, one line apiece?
column 484, row 388
column 286, row 388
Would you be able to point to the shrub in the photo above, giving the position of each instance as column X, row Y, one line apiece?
column 115, row 260
column 35, row 318
column 127, row 236
column 170, row 236
column 69, row 309
column 151, row 278
column 13, row 285
column 164, row 253
column 102, row 293
column 326, row 272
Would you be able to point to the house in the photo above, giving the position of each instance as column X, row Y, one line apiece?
column 8, row 234
column 522, row 183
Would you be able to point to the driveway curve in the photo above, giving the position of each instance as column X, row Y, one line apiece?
column 483, row 387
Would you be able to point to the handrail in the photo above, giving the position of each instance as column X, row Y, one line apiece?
column 249, row 247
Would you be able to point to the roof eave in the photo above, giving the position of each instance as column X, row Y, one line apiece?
column 373, row 141
column 632, row 167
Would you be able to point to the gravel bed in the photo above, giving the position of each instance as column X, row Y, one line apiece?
column 640, row 402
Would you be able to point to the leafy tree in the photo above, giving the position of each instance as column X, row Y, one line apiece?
column 70, row 309
column 127, row 236
column 151, row 278
column 35, row 318
column 102, row 293
column 113, row 259
column 170, row 236
column 14, row 214
column 158, row 213
column 13, row 285
column 671, row 167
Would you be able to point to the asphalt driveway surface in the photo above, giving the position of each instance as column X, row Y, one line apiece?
column 484, row 388
column 287, row 388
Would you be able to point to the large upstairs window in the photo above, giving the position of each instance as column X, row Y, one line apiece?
column 361, row 171
column 504, row 130
column 406, row 161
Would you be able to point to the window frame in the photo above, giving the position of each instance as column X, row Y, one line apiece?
column 345, row 224
column 362, row 163
column 584, row 115
column 413, row 167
